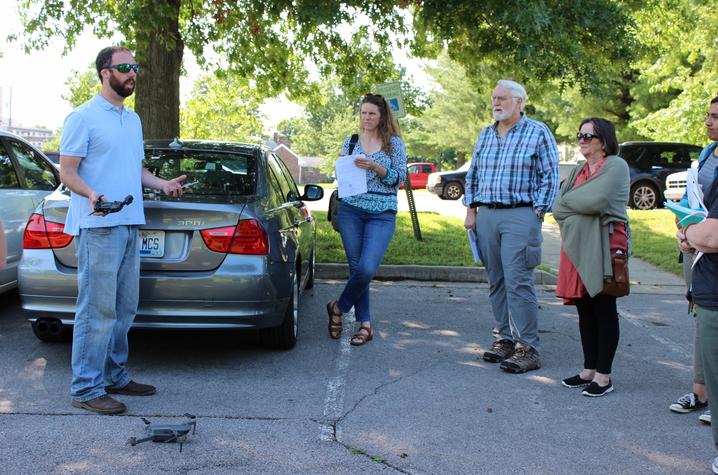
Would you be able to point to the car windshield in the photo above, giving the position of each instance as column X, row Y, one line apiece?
column 210, row 174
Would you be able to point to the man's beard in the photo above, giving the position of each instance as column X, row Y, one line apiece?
column 124, row 89
column 504, row 114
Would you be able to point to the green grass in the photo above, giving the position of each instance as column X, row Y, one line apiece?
column 444, row 242
column 653, row 237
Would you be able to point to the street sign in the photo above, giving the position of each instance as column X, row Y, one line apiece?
column 392, row 93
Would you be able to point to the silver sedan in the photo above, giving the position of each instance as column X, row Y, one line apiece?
column 235, row 251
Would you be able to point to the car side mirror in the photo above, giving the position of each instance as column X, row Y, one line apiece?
column 312, row 193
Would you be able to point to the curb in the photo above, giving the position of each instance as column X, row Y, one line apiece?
column 423, row 273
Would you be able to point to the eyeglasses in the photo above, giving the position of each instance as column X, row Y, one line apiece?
column 373, row 95
column 502, row 98
column 586, row 137
column 125, row 67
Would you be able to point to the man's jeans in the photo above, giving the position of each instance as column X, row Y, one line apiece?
column 108, row 281
column 365, row 236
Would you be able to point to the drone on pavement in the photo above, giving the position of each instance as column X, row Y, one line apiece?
column 167, row 433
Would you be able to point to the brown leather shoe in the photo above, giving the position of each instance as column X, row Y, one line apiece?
column 101, row 405
column 133, row 389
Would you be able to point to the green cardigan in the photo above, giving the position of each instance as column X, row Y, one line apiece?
column 586, row 215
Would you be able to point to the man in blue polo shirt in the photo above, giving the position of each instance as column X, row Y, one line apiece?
column 511, row 184
column 101, row 160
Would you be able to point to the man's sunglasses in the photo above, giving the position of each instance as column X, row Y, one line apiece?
column 125, row 67
column 586, row 137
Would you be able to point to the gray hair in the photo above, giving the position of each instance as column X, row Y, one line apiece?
column 517, row 90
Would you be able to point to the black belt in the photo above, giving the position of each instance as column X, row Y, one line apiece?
column 504, row 205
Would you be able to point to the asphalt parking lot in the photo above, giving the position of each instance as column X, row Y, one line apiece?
column 417, row 399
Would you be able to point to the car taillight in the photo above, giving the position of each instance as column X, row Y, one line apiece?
column 42, row 234
column 248, row 237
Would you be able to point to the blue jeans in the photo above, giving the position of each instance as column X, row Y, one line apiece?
column 108, row 281
column 365, row 236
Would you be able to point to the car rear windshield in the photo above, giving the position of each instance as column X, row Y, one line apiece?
column 210, row 174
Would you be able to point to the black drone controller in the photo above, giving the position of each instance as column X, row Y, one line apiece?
column 107, row 207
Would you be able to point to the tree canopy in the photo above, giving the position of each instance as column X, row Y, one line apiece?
column 271, row 43
column 222, row 107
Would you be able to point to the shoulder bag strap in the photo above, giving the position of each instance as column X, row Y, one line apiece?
column 352, row 143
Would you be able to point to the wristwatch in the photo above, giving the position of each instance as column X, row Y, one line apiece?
column 539, row 213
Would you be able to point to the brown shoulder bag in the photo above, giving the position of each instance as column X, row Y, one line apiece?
column 618, row 285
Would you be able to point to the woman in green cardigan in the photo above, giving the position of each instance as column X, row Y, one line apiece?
column 591, row 214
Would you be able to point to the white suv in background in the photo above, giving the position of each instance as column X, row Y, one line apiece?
column 676, row 184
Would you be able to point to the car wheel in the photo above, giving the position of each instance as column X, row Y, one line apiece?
column 312, row 264
column 284, row 337
column 643, row 196
column 453, row 190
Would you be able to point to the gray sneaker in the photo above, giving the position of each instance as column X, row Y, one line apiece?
column 705, row 417
column 500, row 350
column 714, row 465
column 524, row 359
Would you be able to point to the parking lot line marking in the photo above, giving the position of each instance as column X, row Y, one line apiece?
column 334, row 401
column 662, row 340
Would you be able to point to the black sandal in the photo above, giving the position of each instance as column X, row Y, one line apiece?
column 334, row 327
column 363, row 335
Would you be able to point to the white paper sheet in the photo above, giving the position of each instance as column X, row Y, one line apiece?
column 351, row 180
column 693, row 190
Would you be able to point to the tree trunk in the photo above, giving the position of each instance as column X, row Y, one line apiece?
column 460, row 159
column 157, row 98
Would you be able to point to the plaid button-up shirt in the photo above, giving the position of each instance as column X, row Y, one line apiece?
column 521, row 167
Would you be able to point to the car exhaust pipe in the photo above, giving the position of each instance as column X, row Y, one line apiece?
column 54, row 328
column 49, row 329
column 42, row 327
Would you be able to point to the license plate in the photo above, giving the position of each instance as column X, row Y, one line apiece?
column 152, row 243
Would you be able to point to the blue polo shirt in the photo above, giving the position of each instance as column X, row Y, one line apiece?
column 108, row 139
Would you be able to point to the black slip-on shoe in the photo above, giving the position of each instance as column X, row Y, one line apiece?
column 576, row 382
column 594, row 390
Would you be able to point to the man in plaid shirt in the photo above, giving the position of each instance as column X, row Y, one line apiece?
column 512, row 182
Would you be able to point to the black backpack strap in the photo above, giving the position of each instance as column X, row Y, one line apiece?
column 352, row 143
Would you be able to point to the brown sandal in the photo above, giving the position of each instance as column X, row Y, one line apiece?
column 335, row 327
column 362, row 335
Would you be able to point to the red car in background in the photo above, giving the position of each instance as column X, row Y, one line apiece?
column 418, row 173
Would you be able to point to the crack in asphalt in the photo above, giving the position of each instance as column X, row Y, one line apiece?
column 373, row 458
column 382, row 386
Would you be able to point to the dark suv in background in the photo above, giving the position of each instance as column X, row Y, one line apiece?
column 649, row 164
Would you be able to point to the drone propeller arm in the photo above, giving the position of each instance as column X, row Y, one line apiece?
column 134, row 441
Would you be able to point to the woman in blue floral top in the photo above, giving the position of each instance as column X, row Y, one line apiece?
column 367, row 221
